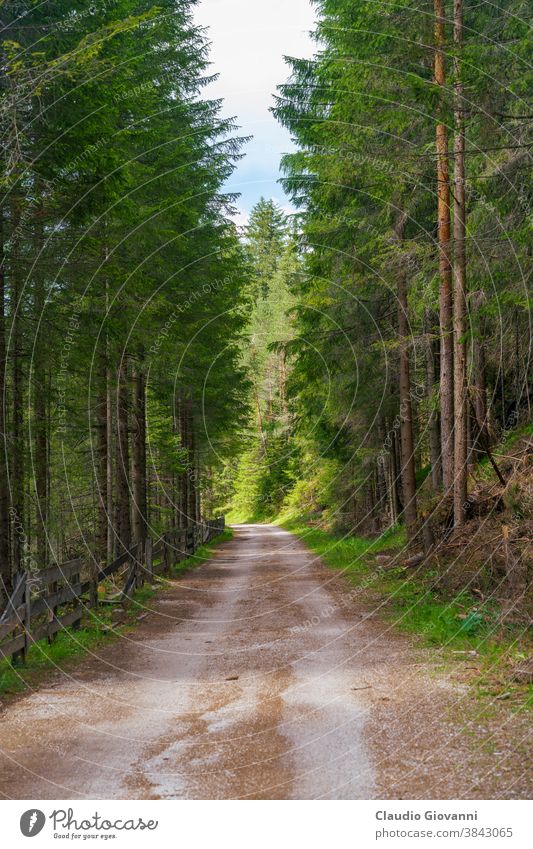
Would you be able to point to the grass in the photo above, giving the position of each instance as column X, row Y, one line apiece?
column 415, row 604
column 201, row 555
column 97, row 630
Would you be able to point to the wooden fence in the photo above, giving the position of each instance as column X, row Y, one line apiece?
column 45, row 602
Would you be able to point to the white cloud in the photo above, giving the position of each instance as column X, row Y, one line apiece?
column 249, row 39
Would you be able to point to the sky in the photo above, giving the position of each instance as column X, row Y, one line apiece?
column 248, row 41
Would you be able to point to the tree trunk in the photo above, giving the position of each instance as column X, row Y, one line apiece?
column 445, row 268
column 123, row 459
column 460, row 480
column 110, row 532
column 110, row 466
column 381, row 481
column 198, row 489
column 176, row 477
column 480, row 384
column 17, row 470
column 40, row 429
column 191, row 466
column 5, row 566
column 406, row 409
column 479, row 374
column 139, row 455
column 101, row 462
column 433, row 420
column 395, row 470
column 184, row 477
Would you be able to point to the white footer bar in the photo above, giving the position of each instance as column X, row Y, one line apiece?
column 267, row 825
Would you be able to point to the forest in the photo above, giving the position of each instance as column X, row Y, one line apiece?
column 407, row 268
column 353, row 361
column 123, row 292
column 266, row 431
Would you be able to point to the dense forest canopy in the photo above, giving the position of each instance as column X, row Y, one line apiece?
column 412, row 348
column 123, row 292
column 352, row 360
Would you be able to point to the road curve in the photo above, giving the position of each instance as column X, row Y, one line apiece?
column 238, row 684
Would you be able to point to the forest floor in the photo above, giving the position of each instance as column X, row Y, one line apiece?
column 262, row 675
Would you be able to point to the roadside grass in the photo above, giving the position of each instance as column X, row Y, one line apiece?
column 463, row 628
column 69, row 644
column 97, row 629
column 201, row 555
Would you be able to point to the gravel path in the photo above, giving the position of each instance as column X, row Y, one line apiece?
column 252, row 677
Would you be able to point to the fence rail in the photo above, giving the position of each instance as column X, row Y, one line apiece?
column 33, row 610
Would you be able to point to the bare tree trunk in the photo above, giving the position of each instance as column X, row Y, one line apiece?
column 176, row 477
column 110, row 528
column 123, row 458
column 384, row 461
column 41, row 461
column 5, row 565
column 381, row 482
column 479, row 375
column 470, row 430
column 17, row 472
column 395, row 468
column 433, row 420
column 460, row 480
column 110, row 466
column 174, row 505
column 445, row 268
column 40, row 429
column 198, row 505
column 406, row 410
column 480, row 383
column 139, row 455
column 185, row 475
column 284, row 408
column 192, row 502
column 393, row 507
column 101, row 461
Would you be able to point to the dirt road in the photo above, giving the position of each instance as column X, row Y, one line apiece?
column 249, row 679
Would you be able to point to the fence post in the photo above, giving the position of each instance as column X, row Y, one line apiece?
column 93, row 589
column 27, row 620
column 75, row 579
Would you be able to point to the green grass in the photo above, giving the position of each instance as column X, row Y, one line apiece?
column 415, row 604
column 201, row 555
column 67, row 645
column 98, row 630
column 348, row 552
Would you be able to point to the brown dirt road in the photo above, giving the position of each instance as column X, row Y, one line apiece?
column 250, row 678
